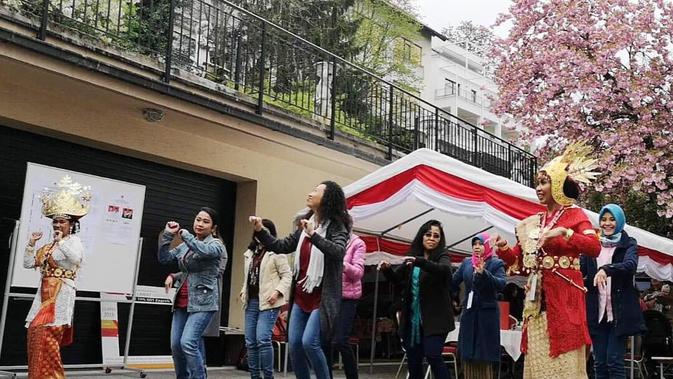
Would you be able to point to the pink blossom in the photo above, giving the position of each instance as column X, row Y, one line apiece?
column 601, row 71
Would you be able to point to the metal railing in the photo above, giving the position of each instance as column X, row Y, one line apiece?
column 225, row 44
column 478, row 98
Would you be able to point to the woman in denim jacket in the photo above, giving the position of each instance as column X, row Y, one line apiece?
column 197, row 298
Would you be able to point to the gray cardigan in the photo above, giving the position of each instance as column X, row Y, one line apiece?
column 333, row 246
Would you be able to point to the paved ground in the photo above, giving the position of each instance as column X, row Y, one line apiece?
column 220, row 373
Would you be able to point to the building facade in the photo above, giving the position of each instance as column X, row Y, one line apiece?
column 455, row 79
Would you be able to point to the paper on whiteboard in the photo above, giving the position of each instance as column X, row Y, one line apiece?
column 118, row 221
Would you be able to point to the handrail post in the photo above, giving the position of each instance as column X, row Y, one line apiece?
column 417, row 121
column 262, row 59
column 437, row 130
column 237, row 64
column 44, row 20
column 390, row 122
column 333, row 93
column 510, row 164
column 475, row 153
column 169, row 44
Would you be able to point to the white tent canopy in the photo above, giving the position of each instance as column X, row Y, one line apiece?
column 389, row 205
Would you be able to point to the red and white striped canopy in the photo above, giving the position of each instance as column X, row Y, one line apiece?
column 466, row 200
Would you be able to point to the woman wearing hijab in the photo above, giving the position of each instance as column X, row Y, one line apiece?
column 613, row 309
column 479, row 338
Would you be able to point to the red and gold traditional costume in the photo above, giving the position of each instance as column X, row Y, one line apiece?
column 555, row 324
column 49, row 320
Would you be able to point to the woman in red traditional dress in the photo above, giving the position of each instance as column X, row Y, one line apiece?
column 49, row 320
column 548, row 250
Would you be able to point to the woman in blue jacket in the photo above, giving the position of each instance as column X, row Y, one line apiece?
column 479, row 338
column 199, row 257
column 613, row 308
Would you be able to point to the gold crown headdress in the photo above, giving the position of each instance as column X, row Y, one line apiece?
column 574, row 163
column 68, row 199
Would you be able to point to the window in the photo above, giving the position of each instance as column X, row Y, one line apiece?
column 449, row 87
column 473, row 96
column 410, row 52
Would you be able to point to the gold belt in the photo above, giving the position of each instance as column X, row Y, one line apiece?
column 58, row 272
column 548, row 262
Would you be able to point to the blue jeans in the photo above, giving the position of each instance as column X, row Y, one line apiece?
column 187, row 343
column 609, row 352
column 431, row 347
column 304, row 340
column 258, row 329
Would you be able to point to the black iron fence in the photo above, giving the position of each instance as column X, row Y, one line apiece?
column 225, row 44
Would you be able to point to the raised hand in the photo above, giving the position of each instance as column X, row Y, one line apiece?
column 480, row 267
column 172, row 227
column 308, row 227
column 256, row 223
column 498, row 241
column 34, row 236
column 58, row 235
column 383, row 265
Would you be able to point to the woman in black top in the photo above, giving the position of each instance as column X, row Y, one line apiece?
column 427, row 314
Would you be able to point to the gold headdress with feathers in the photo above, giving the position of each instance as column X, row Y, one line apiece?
column 574, row 163
column 67, row 199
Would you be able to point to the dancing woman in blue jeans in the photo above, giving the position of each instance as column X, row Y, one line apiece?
column 266, row 288
column 319, row 245
column 197, row 298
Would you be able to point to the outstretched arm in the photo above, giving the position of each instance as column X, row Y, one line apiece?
column 288, row 245
column 211, row 249
column 441, row 267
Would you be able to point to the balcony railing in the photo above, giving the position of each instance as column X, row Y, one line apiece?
column 467, row 95
column 243, row 53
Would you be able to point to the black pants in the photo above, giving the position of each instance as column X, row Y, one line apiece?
column 340, row 343
column 431, row 348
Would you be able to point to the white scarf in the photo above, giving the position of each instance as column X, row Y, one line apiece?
column 316, row 262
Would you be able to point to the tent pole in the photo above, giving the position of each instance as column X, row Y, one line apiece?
column 407, row 220
column 378, row 235
column 468, row 237
column 376, row 302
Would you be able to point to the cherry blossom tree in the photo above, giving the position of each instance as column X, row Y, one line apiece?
column 600, row 71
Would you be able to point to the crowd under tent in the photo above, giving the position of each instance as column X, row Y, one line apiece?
column 389, row 205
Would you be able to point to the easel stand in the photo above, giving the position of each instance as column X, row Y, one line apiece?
column 4, row 370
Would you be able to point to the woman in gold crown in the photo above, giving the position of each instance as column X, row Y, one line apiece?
column 548, row 248
column 49, row 320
